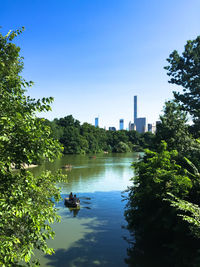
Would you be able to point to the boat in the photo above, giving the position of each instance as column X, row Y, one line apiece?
column 67, row 167
column 93, row 157
column 71, row 203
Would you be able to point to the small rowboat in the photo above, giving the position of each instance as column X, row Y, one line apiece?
column 67, row 167
column 71, row 203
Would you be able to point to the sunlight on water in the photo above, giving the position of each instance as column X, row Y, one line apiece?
column 92, row 235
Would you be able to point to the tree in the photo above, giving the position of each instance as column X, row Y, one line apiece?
column 173, row 128
column 147, row 140
column 122, row 147
column 163, row 203
column 189, row 211
column 185, row 71
column 175, row 131
column 26, row 202
column 68, row 133
column 153, row 222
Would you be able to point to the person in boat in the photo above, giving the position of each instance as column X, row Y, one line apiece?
column 71, row 196
column 76, row 200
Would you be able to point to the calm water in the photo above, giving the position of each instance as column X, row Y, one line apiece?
column 93, row 235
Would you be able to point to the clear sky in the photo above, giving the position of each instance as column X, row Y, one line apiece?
column 93, row 56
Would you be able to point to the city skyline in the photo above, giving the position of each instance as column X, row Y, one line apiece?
column 140, row 124
column 93, row 56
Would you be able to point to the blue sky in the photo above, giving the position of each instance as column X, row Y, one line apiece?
column 93, row 56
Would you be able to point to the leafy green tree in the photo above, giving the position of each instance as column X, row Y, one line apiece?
column 147, row 140
column 119, row 141
column 173, row 128
column 122, row 147
column 102, row 139
column 134, row 137
column 188, row 210
column 163, row 203
column 175, row 131
column 56, row 130
column 151, row 219
column 135, row 141
column 26, row 202
column 68, row 121
column 68, row 132
column 86, row 138
column 92, row 135
column 184, row 70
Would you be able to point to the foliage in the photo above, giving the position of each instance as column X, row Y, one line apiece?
column 121, row 147
column 95, row 138
column 147, row 140
column 173, row 128
column 184, row 70
column 188, row 211
column 85, row 138
column 150, row 218
column 156, row 175
column 163, row 204
column 26, row 202
column 175, row 131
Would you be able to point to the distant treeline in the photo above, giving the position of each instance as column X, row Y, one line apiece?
column 85, row 138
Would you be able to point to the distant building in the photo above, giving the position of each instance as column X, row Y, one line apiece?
column 141, row 125
column 121, row 124
column 112, row 129
column 135, row 109
column 131, row 126
column 149, row 127
column 96, row 122
column 154, row 129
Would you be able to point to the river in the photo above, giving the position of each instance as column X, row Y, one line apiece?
column 94, row 234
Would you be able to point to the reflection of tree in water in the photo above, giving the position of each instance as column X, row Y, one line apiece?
column 159, row 238
column 150, row 247
column 98, row 241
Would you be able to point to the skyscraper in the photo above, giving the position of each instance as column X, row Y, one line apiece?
column 131, row 126
column 135, row 109
column 150, row 127
column 96, row 122
column 112, row 129
column 141, row 125
column 121, row 124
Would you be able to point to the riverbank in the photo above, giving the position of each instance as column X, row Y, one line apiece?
column 25, row 166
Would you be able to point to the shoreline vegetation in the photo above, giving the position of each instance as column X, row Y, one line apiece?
column 85, row 138
column 26, row 205
column 24, row 166
column 163, row 202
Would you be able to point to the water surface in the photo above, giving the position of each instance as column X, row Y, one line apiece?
column 92, row 235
